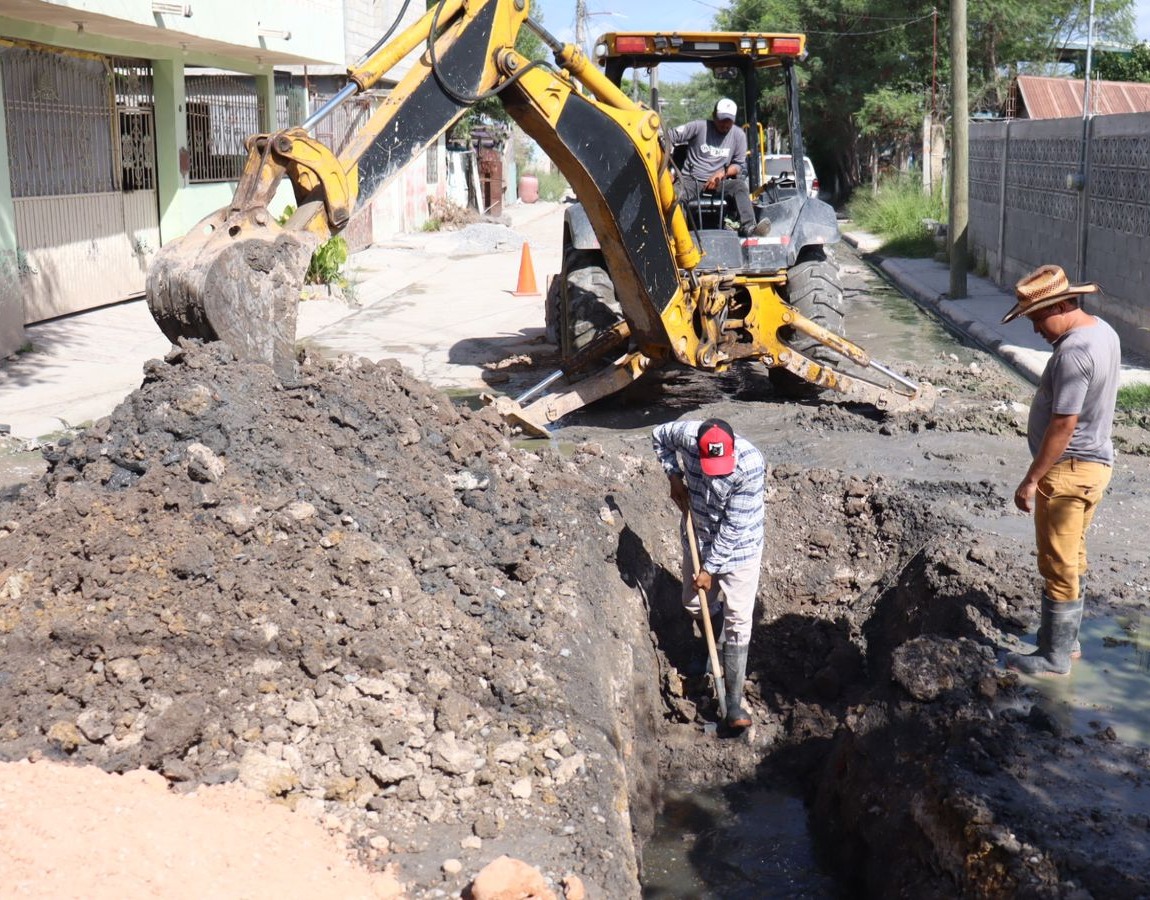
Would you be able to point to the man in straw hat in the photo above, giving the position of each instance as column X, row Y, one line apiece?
column 1069, row 434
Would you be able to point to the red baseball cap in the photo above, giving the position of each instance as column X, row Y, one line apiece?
column 716, row 448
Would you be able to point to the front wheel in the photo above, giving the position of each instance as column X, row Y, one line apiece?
column 813, row 288
column 584, row 303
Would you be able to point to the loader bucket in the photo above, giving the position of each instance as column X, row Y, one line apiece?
column 236, row 277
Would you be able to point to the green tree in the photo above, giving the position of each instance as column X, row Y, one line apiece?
column 860, row 48
column 1134, row 66
column 890, row 120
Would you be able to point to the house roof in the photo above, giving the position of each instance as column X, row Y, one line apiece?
column 1057, row 98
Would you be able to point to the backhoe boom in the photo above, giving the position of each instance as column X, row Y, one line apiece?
column 237, row 275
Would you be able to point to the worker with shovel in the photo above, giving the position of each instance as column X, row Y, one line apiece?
column 717, row 482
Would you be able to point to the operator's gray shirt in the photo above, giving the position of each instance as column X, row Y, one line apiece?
column 1080, row 379
column 708, row 151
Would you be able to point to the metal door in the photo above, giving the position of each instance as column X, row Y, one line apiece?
column 82, row 155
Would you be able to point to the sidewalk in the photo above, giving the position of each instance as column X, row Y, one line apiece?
column 439, row 302
column 978, row 315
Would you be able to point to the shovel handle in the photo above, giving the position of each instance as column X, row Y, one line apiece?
column 705, row 615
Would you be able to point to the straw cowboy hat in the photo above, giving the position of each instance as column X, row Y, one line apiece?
column 1044, row 287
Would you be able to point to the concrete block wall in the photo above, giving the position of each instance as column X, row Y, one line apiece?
column 987, row 147
column 1024, row 213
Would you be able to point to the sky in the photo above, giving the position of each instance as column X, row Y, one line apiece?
column 1142, row 19
column 633, row 15
column 636, row 15
column 683, row 15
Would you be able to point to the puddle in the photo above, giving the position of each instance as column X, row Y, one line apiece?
column 891, row 327
column 467, row 397
column 1107, row 687
column 733, row 843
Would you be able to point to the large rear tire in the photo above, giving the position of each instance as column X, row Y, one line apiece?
column 813, row 288
column 587, row 295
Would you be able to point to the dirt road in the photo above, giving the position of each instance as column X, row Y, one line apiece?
column 357, row 599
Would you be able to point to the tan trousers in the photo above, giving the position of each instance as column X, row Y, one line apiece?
column 739, row 588
column 1068, row 496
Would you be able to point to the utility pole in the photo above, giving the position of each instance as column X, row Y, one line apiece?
column 1081, row 179
column 581, row 24
column 959, row 152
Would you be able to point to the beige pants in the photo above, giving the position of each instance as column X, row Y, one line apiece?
column 738, row 587
column 1068, row 496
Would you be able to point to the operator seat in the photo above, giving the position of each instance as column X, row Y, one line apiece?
column 711, row 209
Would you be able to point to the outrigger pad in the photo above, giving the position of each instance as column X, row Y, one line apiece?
column 514, row 414
column 922, row 400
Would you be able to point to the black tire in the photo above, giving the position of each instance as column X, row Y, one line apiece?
column 588, row 293
column 813, row 288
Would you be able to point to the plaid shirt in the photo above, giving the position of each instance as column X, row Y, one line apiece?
column 728, row 509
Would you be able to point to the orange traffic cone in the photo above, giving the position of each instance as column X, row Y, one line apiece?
column 526, row 286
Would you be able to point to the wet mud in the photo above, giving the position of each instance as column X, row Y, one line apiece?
column 356, row 596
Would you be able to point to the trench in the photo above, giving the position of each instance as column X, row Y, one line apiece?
column 733, row 815
column 876, row 699
column 892, row 756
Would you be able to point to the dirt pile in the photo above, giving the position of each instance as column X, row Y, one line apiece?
column 361, row 600
column 346, row 593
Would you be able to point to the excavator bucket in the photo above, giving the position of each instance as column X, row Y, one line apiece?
column 236, row 277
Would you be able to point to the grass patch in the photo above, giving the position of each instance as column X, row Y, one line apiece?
column 1134, row 398
column 896, row 215
column 552, row 185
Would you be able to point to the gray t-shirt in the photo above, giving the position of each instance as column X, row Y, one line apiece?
column 707, row 150
column 1080, row 379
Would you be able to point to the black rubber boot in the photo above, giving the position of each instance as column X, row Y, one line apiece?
column 1076, row 647
column 1056, row 635
column 735, row 673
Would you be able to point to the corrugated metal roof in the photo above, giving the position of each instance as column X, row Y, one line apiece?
column 1058, row 98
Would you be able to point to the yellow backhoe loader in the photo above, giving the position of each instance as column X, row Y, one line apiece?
column 237, row 275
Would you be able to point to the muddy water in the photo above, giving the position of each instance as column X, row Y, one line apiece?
column 733, row 843
column 891, row 327
column 1107, row 687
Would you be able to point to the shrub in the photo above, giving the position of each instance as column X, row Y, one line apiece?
column 896, row 214
column 327, row 260
column 552, row 185
column 1134, row 397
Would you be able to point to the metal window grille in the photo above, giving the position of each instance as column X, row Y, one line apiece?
column 222, row 111
column 59, row 111
column 432, row 154
column 345, row 122
column 135, row 119
column 77, row 123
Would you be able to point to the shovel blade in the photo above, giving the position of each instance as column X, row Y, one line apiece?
column 234, row 278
